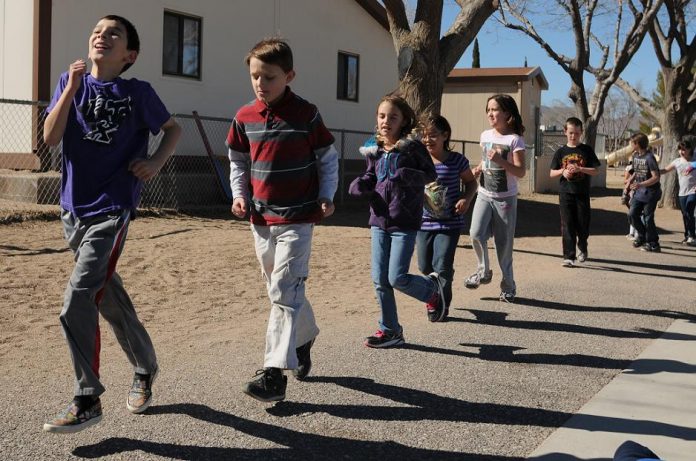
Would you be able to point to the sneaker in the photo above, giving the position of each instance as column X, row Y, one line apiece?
column 691, row 242
column 478, row 277
column 268, row 385
column 384, row 340
column 638, row 242
column 75, row 418
column 140, row 394
column 567, row 263
column 436, row 305
column 508, row 296
column 582, row 257
column 652, row 247
column 304, row 361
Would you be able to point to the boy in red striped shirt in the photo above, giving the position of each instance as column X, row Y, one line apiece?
column 284, row 174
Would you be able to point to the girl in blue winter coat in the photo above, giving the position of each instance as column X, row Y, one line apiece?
column 398, row 168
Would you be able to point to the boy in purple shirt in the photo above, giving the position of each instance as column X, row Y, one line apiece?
column 104, row 123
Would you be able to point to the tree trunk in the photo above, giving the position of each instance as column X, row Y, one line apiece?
column 674, row 125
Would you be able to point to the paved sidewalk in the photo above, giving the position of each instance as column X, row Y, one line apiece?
column 652, row 402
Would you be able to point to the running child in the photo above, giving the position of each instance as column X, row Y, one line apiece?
column 398, row 168
column 687, row 189
column 445, row 205
column 495, row 210
column 646, row 193
column 284, row 174
column 574, row 163
column 104, row 122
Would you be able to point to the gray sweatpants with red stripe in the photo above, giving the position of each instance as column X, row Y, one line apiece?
column 94, row 288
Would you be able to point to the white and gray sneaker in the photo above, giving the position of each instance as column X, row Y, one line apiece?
column 582, row 257
column 478, row 277
column 567, row 263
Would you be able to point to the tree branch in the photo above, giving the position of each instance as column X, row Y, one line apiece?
column 644, row 103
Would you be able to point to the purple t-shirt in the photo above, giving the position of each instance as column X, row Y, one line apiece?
column 108, row 126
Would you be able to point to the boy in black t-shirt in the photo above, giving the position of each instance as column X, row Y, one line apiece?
column 574, row 163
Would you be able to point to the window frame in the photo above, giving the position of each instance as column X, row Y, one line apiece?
column 342, row 79
column 181, row 19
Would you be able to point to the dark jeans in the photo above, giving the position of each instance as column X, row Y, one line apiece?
column 642, row 215
column 688, row 205
column 435, row 251
column 575, row 222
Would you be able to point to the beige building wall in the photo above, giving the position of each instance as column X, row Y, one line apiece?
column 16, row 49
column 315, row 29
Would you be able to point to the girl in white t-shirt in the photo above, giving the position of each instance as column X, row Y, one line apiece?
column 495, row 210
column 687, row 189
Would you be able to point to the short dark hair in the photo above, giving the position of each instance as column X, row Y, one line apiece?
column 573, row 121
column 441, row 124
column 508, row 104
column 272, row 50
column 133, row 43
column 685, row 144
column 641, row 140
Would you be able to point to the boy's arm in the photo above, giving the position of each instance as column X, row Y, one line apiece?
column 327, row 167
column 240, row 163
column 57, row 119
column 145, row 169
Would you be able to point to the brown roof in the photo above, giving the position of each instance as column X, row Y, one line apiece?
column 501, row 73
column 376, row 10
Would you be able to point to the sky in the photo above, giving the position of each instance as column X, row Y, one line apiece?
column 502, row 47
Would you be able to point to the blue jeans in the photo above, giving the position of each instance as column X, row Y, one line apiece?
column 688, row 205
column 391, row 258
column 642, row 216
column 435, row 251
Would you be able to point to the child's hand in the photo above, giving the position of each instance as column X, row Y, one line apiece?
column 461, row 206
column 239, row 207
column 688, row 170
column 476, row 170
column 75, row 72
column 494, row 156
column 327, row 207
column 144, row 169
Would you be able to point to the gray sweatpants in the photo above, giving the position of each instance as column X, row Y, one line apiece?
column 94, row 288
column 497, row 218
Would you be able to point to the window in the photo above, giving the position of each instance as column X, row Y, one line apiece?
column 181, row 53
column 348, row 73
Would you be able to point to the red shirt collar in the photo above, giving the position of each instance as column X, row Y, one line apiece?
column 262, row 107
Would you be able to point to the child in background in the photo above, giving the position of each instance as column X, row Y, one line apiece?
column 284, row 173
column 626, row 195
column 495, row 210
column 104, row 122
column 687, row 189
column 398, row 168
column 574, row 163
column 646, row 193
column 443, row 216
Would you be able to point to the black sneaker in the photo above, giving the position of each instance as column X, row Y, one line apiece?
column 140, row 394
column 382, row 340
column 638, row 242
column 652, row 247
column 268, row 385
column 76, row 418
column 436, row 305
column 304, row 361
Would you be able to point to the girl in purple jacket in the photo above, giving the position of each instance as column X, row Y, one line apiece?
column 398, row 168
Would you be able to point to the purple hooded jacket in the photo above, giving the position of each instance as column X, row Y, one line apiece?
column 394, row 183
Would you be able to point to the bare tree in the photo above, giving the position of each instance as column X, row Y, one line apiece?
column 424, row 58
column 677, row 113
column 619, row 115
column 626, row 39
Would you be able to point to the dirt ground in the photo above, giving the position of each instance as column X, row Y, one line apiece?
column 490, row 384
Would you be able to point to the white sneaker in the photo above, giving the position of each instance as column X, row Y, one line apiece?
column 568, row 263
column 691, row 242
column 582, row 257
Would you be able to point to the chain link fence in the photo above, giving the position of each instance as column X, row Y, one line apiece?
column 194, row 179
